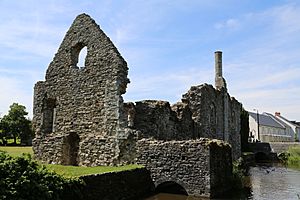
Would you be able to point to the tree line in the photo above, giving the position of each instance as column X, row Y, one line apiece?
column 16, row 126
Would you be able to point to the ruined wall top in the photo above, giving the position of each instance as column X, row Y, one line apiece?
column 79, row 114
column 84, row 100
column 101, row 52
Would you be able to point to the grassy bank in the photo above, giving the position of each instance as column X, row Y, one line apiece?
column 75, row 171
column 69, row 171
column 293, row 160
column 16, row 151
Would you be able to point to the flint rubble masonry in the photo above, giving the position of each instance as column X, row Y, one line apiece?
column 80, row 118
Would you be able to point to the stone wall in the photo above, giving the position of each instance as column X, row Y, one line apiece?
column 260, row 147
column 79, row 116
column 201, row 114
column 126, row 185
column 157, row 119
column 215, row 115
column 206, row 105
column 235, row 127
column 83, row 102
column 220, row 168
column 280, row 147
column 203, row 167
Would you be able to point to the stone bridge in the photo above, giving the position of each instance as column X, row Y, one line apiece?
column 263, row 152
column 80, row 118
column 199, row 167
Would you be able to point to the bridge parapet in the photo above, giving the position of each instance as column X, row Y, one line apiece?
column 279, row 147
column 203, row 167
column 263, row 152
column 263, row 147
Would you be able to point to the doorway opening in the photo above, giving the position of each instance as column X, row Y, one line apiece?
column 70, row 149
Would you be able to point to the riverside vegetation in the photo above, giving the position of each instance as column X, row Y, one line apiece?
column 292, row 157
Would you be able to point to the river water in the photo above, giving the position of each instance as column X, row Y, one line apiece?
column 266, row 183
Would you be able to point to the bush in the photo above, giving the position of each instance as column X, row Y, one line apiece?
column 283, row 157
column 24, row 179
column 294, row 157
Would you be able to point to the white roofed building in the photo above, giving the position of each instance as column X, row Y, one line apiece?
column 271, row 129
column 295, row 128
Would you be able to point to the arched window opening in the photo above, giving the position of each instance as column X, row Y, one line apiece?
column 170, row 187
column 81, row 57
column 70, row 149
column 78, row 55
column 49, row 115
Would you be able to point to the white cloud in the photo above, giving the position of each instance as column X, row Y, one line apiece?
column 231, row 24
column 167, row 86
column 11, row 92
column 261, row 51
column 262, row 62
column 273, row 100
column 16, row 86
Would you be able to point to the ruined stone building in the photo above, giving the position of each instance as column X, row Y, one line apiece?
column 80, row 117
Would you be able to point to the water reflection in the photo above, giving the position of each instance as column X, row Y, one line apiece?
column 266, row 182
column 274, row 183
column 164, row 196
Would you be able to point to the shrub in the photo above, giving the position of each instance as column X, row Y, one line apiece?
column 294, row 157
column 24, row 179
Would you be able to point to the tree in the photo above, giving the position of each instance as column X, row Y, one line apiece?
column 244, row 129
column 15, row 125
column 3, row 132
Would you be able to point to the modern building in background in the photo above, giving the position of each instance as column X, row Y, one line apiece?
column 272, row 128
column 295, row 126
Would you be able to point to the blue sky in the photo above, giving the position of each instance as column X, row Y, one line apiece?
column 168, row 44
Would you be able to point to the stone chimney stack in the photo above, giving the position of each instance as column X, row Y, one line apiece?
column 218, row 63
column 219, row 80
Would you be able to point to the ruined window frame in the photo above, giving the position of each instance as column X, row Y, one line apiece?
column 49, row 113
column 76, row 51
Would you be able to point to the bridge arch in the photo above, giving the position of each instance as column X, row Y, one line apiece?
column 261, row 157
column 170, row 187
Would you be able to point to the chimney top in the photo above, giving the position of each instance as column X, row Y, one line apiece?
column 220, row 82
column 277, row 113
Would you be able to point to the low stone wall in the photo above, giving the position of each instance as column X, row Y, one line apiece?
column 263, row 152
column 280, row 147
column 260, row 147
column 275, row 138
column 202, row 167
column 126, row 185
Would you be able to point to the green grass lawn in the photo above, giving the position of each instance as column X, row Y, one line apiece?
column 74, row 171
column 16, row 151
column 69, row 171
